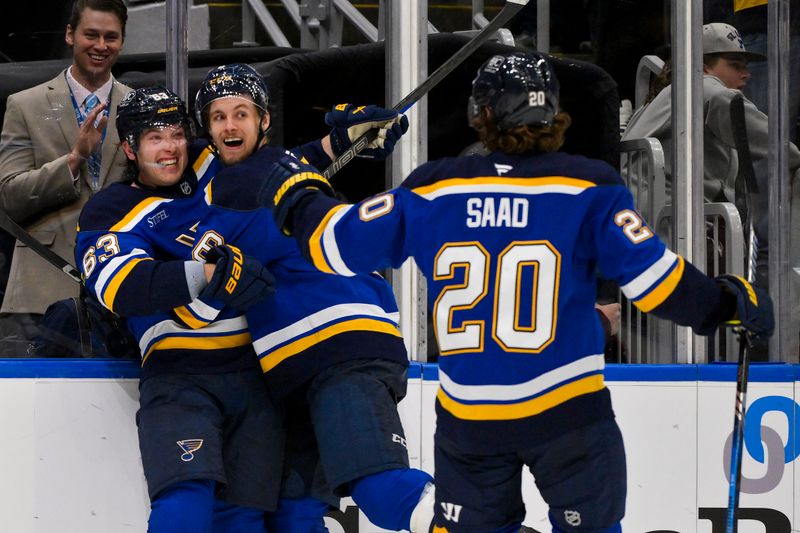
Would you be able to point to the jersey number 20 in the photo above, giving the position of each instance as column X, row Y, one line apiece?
column 518, row 258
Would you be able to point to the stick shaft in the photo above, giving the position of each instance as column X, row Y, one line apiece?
column 511, row 8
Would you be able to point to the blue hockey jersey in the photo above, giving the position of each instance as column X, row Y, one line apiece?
column 510, row 246
column 314, row 319
column 131, row 247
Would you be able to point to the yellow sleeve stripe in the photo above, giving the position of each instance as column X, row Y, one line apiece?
column 135, row 212
column 524, row 409
column 517, row 182
column 276, row 357
column 315, row 242
column 110, row 294
column 203, row 159
column 193, row 342
column 660, row 293
column 739, row 5
column 188, row 318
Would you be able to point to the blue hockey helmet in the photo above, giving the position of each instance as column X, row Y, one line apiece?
column 519, row 89
column 150, row 107
column 226, row 81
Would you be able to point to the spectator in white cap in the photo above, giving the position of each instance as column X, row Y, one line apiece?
column 725, row 74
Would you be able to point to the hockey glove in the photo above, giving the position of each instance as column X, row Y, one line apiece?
column 238, row 281
column 349, row 122
column 288, row 180
column 753, row 306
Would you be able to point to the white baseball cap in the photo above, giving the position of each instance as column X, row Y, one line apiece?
column 720, row 38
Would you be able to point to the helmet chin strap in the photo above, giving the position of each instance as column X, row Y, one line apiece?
column 262, row 132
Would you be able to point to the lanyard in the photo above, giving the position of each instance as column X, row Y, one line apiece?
column 80, row 116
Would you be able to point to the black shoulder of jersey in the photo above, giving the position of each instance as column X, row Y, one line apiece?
column 237, row 186
column 111, row 205
column 433, row 171
column 580, row 167
column 197, row 147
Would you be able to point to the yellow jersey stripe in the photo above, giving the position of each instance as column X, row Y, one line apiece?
column 660, row 293
column 113, row 286
column 276, row 357
column 739, row 5
column 189, row 319
column 315, row 242
column 524, row 409
column 203, row 160
column 135, row 212
column 516, row 182
column 194, row 342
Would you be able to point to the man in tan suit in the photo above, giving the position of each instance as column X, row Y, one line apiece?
column 59, row 145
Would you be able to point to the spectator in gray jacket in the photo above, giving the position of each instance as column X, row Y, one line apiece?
column 725, row 75
column 56, row 150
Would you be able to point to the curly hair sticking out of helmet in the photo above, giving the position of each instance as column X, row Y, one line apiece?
column 521, row 139
column 514, row 104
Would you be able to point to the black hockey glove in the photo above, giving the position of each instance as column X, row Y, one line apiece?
column 349, row 122
column 753, row 306
column 238, row 281
column 288, row 180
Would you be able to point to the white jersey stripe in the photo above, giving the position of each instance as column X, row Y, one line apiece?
column 170, row 327
column 142, row 214
column 331, row 249
column 113, row 267
column 489, row 188
column 521, row 391
column 325, row 316
column 644, row 281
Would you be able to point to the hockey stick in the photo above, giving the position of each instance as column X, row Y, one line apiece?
column 744, row 187
column 511, row 8
column 47, row 254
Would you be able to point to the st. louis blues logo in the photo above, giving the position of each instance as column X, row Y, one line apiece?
column 189, row 446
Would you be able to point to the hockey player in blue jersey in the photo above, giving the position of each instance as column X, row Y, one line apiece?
column 510, row 244
column 329, row 346
column 210, row 436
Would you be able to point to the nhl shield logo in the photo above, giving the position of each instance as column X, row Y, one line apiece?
column 186, row 188
column 189, row 446
column 572, row 517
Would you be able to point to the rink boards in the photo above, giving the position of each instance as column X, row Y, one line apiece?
column 70, row 459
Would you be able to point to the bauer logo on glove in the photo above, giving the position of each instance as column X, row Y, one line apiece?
column 286, row 182
column 238, row 281
column 236, row 270
column 311, row 179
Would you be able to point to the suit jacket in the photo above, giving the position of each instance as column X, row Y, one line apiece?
column 37, row 189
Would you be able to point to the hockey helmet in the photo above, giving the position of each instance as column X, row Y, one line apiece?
column 227, row 81
column 519, row 89
column 150, row 107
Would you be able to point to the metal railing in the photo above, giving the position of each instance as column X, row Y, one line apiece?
column 321, row 23
column 644, row 338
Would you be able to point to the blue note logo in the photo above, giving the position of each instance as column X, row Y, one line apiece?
column 189, row 446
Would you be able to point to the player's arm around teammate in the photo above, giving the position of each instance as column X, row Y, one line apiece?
column 330, row 347
column 210, row 436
